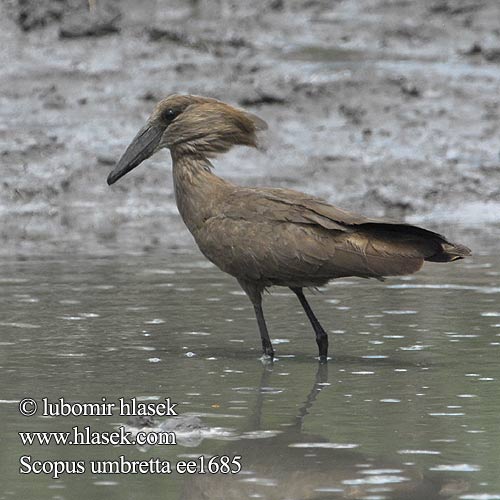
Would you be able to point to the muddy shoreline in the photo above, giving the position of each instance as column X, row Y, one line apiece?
column 385, row 108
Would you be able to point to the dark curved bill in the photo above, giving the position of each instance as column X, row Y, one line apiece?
column 142, row 147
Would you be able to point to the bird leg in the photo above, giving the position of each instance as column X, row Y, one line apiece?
column 254, row 293
column 321, row 335
column 267, row 347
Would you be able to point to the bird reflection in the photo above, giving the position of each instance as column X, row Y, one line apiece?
column 294, row 465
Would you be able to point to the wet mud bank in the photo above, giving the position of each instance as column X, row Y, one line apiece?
column 386, row 108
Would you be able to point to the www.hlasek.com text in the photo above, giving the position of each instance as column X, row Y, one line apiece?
column 86, row 436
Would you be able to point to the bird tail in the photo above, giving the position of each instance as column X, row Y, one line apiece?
column 429, row 245
column 448, row 252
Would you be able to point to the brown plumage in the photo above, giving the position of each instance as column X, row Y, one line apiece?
column 270, row 236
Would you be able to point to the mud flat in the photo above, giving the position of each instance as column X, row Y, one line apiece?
column 384, row 107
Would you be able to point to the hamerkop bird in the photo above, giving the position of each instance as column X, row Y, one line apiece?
column 270, row 236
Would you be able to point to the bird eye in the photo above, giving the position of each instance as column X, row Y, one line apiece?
column 169, row 114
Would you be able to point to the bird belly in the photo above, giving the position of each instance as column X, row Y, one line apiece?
column 270, row 254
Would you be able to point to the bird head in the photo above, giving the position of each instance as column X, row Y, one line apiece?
column 188, row 124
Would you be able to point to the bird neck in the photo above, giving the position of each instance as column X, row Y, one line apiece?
column 198, row 191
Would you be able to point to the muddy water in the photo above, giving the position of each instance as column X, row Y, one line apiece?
column 408, row 408
column 371, row 112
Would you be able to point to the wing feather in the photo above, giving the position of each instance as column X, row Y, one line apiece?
column 290, row 235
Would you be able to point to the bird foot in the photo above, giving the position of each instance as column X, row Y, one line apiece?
column 267, row 359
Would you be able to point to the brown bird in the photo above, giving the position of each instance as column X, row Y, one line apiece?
column 269, row 236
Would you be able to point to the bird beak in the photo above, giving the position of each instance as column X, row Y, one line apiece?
column 142, row 147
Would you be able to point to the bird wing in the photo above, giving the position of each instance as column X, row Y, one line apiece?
column 377, row 238
column 284, row 237
column 286, row 205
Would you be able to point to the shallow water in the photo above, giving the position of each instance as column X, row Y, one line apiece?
column 408, row 407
